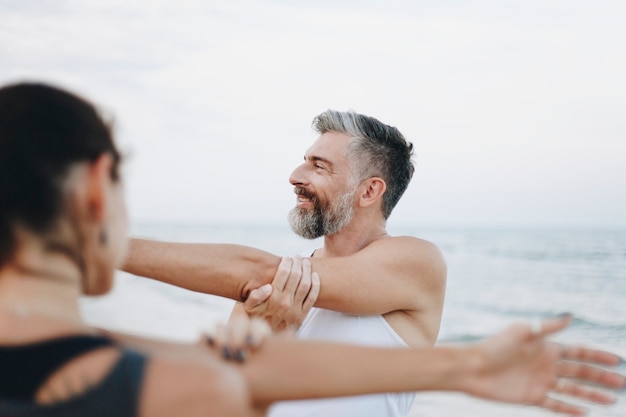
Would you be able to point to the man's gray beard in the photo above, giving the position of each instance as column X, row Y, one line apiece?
column 322, row 221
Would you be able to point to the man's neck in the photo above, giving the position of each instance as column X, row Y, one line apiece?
column 351, row 239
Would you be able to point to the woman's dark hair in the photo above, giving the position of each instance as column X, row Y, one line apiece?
column 43, row 131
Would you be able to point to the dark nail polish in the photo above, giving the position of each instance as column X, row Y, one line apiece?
column 240, row 355
column 227, row 354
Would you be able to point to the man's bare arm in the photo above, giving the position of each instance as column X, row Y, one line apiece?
column 397, row 273
column 226, row 270
column 390, row 274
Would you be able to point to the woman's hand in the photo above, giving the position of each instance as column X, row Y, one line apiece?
column 239, row 338
column 519, row 365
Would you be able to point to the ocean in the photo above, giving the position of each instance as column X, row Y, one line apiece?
column 495, row 277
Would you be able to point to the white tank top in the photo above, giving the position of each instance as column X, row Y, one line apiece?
column 326, row 325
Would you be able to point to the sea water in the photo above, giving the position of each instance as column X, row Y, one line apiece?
column 495, row 277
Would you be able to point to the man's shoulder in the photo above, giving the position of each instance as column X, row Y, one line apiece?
column 308, row 253
column 417, row 257
column 407, row 244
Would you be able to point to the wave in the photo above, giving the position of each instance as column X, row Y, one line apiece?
column 579, row 246
column 578, row 320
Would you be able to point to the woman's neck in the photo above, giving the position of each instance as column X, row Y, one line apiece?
column 38, row 283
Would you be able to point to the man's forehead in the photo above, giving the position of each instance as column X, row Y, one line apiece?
column 329, row 145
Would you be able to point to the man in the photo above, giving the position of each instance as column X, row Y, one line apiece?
column 375, row 289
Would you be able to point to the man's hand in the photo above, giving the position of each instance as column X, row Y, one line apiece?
column 294, row 291
column 520, row 366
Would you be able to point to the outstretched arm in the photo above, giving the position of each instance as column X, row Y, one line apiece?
column 226, row 270
column 515, row 366
column 400, row 268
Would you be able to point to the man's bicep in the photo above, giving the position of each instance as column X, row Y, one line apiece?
column 391, row 276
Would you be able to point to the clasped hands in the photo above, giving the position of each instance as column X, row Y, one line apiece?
column 286, row 301
column 279, row 306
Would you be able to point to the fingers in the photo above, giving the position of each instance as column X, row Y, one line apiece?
column 577, row 390
column 549, row 327
column 304, row 286
column 581, row 391
column 580, row 353
column 578, row 379
column 292, row 294
column 258, row 331
column 295, row 275
column 258, row 296
column 282, row 273
column 311, row 298
column 228, row 340
column 562, row 407
column 240, row 336
column 590, row 374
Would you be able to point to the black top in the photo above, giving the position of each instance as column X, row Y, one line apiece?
column 24, row 368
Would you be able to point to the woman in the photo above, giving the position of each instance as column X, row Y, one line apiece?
column 63, row 233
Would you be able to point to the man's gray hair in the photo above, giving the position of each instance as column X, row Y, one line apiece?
column 377, row 150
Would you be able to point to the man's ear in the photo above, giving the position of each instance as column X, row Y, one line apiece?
column 372, row 190
column 98, row 185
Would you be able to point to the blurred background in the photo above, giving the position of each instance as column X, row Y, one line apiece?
column 516, row 109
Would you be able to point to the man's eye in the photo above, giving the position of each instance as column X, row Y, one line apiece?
column 319, row 166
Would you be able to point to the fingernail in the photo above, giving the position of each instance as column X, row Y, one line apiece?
column 227, row 354
column 266, row 289
column 250, row 340
column 240, row 355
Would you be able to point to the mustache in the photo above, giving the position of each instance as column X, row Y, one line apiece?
column 303, row 192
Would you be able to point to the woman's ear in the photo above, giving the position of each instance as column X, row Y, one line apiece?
column 98, row 186
column 372, row 191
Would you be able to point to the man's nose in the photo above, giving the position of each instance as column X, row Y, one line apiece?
column 298, row 176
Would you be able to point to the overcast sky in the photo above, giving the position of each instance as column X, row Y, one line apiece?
column 517, row 109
